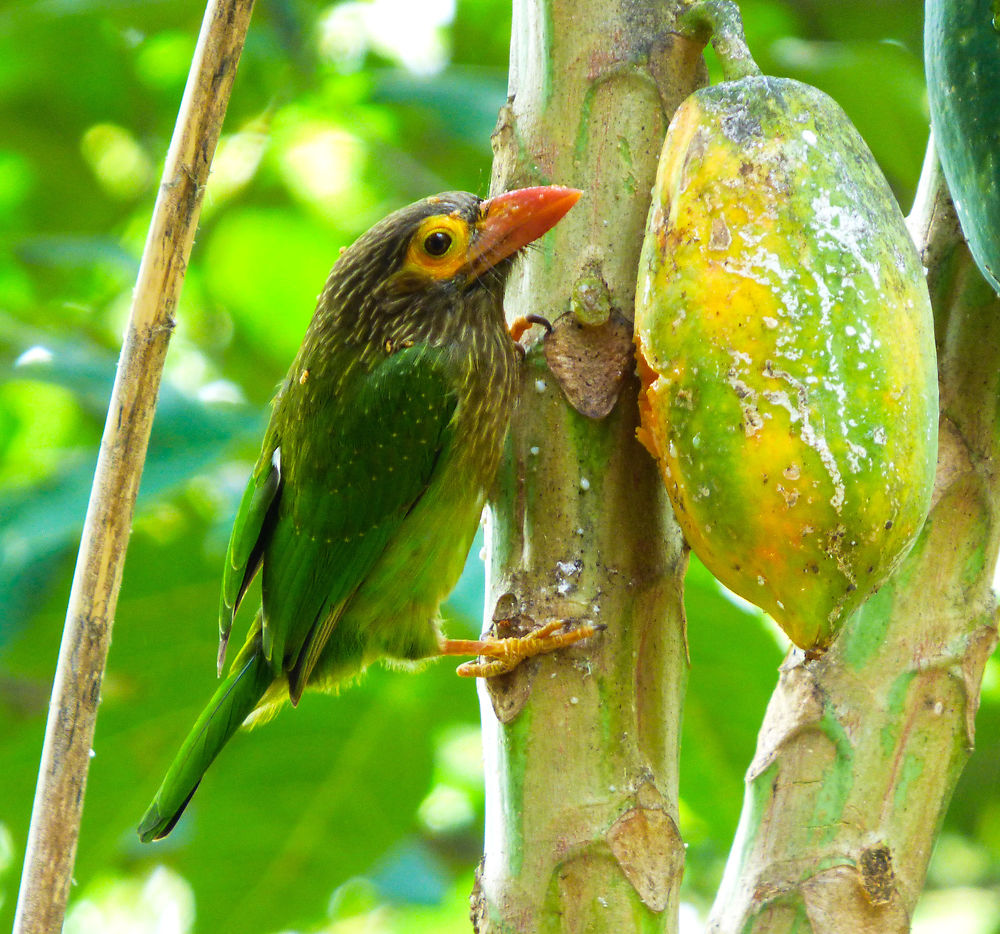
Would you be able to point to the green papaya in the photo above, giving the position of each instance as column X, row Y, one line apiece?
column 785, row 349
column 962, row 52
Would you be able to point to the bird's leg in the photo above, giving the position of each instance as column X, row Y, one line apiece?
column 501, row 655
column 519, row 326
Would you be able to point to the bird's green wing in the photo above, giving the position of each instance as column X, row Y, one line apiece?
column 245, row 549
column 351, row 466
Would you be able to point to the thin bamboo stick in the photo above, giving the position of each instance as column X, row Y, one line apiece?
column 69, row 731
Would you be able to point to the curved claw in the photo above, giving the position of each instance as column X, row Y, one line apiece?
column 500, row 656
column 520, row 326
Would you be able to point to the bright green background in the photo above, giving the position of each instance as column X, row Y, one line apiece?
column 362, row 812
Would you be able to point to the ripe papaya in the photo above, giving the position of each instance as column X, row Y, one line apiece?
column 785, row 349
column 962, row 53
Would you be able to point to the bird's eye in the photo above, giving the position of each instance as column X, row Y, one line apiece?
column 438, row 247
column 437, row 243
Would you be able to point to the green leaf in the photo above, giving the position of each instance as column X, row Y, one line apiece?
column 462, row 103
column 734, row 661
column 39, row 526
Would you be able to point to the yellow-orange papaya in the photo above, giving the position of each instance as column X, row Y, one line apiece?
column 786, row 352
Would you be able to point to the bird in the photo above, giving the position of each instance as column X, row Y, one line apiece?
column 383, row 441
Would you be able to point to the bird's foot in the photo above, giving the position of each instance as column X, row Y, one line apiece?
column 519, row 326
column 500, row 655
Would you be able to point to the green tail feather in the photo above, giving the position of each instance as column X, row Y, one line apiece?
column 235, row 698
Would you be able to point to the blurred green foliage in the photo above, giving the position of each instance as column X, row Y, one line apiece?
column 361, row 812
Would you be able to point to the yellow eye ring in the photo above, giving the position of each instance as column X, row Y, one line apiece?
column 439, row 246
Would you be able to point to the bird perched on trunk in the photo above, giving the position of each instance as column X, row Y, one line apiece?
column 383, row 441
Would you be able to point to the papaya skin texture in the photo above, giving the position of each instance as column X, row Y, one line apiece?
column 786, row 355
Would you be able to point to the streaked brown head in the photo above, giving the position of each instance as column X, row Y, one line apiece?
column 445, row 254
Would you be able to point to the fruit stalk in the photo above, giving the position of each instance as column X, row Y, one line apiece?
column 720, row 22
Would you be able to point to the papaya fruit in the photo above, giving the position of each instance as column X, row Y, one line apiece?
column 785, row 348
column 962, row 55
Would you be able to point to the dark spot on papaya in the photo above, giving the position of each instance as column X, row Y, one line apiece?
column 851, row 588
column 870, row 569
column 721, row 238
column 763, row 478
column 741, row 126
column 888, row 525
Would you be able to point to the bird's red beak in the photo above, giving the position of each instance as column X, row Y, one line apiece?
column 514, row 219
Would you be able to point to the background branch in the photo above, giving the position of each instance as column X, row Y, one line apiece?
column 69, row 732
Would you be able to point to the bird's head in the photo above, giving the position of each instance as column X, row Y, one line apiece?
column 449, row 251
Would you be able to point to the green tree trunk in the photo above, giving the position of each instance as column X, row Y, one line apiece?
column 860, row 749
column 581, row 748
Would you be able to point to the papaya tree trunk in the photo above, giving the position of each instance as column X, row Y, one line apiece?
column 581, row 748
column 860, row 749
